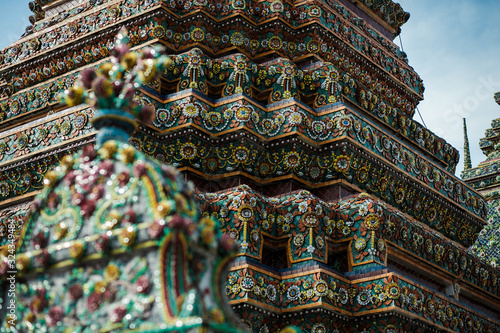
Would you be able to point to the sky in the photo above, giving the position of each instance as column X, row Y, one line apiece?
column 454, row 45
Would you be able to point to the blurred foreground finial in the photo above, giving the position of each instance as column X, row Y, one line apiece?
column 111, row 88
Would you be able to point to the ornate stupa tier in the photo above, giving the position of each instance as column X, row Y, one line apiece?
column 302, row 277
column 315, row 107
column 292, row 120
column 338, row 37
column 333, row 60
column 489, row 144
column 317, row 85
column 485, row 177
column 384, row 15
column 238, row 137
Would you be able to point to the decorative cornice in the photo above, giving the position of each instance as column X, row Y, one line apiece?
column 347, row 30
column 389, row 11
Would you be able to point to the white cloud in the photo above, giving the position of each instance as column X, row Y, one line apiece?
column 453, row 46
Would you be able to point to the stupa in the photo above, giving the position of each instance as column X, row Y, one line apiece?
column 294, row 121
column 486, row 179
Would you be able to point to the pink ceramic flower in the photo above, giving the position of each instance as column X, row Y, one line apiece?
column 228, row 243
column 139, row 169
column 87, row 76
column 88, row 153
column 4, row 267
column 53, row 200
column 75, row 292
column 177, row 222
column 39, row 241
column 119, row 51
column 156, row 229
column 97, row 192
column 129, row 217
column 38, row 304
column 106, row 168
column 87, row 208
column 94, row 301
column 54, row 315
column 77, row 198
column 43, row 258
column 69, row 178
column 119, row 312
column 123, row 178
column 143, row 284
column 101, row 243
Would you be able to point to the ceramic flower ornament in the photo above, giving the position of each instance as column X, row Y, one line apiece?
column 111, row 88
column 122, row 230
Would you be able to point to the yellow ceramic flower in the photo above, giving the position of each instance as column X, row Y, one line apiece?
column 50, row 178
column 30, row 318
column 105, row 68
column 74, row 96
column 112, row 219
column 164, row 208
column 372, row 222
column 108, row 149
column 112, row 273
column 68, row 161
column 22, row 263
column 60, row 231
column 217, row 316
column 127, row 237
column 129, row 60
column 207, row 235
column 76, row 249
column 100, row 287
column 128, row 154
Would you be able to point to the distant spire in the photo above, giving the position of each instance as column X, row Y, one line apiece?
column 467, row 162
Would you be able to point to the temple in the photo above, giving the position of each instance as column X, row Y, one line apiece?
column 485, row 178
column 285, row 127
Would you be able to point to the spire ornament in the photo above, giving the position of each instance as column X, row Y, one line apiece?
column 467, row 161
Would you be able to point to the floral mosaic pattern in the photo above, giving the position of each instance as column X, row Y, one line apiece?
column 83, row 19
column 339, row 160
column 35, row 99
column 331, row 124
column 319, row 286
column 22, row 178
column 369, row 82
column 342, row 20
column 12, row 217
column 308, row 224
column 487, row 245
column 389, row 11
column 113, row 295
column 485, row 178
column 89, row 209
column 325, row 82
column 74, row 124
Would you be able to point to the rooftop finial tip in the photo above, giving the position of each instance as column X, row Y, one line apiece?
column 467, row 161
